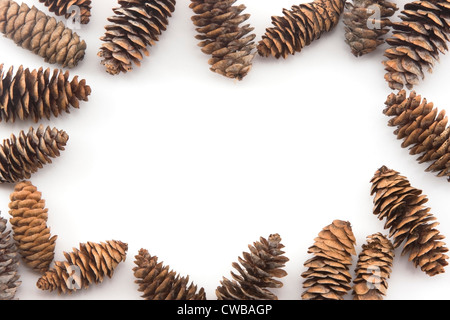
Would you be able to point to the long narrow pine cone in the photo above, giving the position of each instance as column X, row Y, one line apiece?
column 85, row 266
column 366, row 22
column 136, row 25
column 29, row 218
column 39, row 94
column 257, row 271
column 422, row 128
column 327, row 276
column 373, row 268
column 23, row 155
column 222, row 36
column 409, row 222
column 70, row 9
column 9, row 264
column 157, row 282
column 299, row 26
column 33, row 30
column 417, row 41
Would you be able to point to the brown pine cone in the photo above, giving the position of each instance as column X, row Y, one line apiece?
column 364, row 30
column 408, row 221
column 257, row 270
column 373, row 268
column 221, row 35
column 43, row 35
column 22, row 156
column 38, row 94
column 136, row 25
column 83, row 267
column 423, row 129
column 157, row 282
column 9, row 264
column 65, row 8
column 416, row 42
column 298, row 27
column 328, row 276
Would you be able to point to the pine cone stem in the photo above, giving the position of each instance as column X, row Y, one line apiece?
column 9, row 264
column 65, row 8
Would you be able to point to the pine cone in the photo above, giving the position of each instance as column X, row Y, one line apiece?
column 408, row 220
column 37, row 95
column 257, row 270
column 230, row 45
column 22, row 156
column 83, row 267
column 416, row 42
column 136, row 25
column 298, row 27
column 373, row 268
column 328, row 276
column 157, row 282
column 9, row 264
column 363, row 31
column 65, row 7
column 422, row 129
column 43, row 35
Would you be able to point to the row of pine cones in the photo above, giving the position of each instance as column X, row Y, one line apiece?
column 327, row 276
column 224, row 34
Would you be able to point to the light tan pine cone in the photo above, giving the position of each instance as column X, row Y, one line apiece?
column 257, row 271
column 136, row 25
column 409, row 222
column 222, row 36
column 38, row 94
column 33, row 30
column 327, row 276
column 373, row 268
column 85, row 266
column 66, row 7
column 9, row 264
column 157, row 282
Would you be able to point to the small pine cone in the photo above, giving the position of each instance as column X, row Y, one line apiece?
column 298, row 27
column 22, row 156
column 83, row 267
column 38, row 94
column 408, row 220
column 257, row 270
column 221, row 35
column 136, row 25
column 32, row 29
column 423, row 130
column 65, row 8
column 157, row 282
column 328, row 276
column 9, row 264
column 373, row 268
column 29, row 222
column 416, row 42
column 363, row 31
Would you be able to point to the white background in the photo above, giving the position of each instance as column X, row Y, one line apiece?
column 194, row 166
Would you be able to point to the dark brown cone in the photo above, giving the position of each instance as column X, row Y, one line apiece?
column 327, row 276
column 422, row 128
column 136, row 25
column 38, row 94
column 21, row 156
column 158, row 282
column 408, row 221
column 298, row 27
column 66, row 7
column 416, row 42
column 33, row 30
column 9, row 264
column 83, row 267
column 366, row 22
column 221, row 36
column 373, row 268
column 257, row 272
